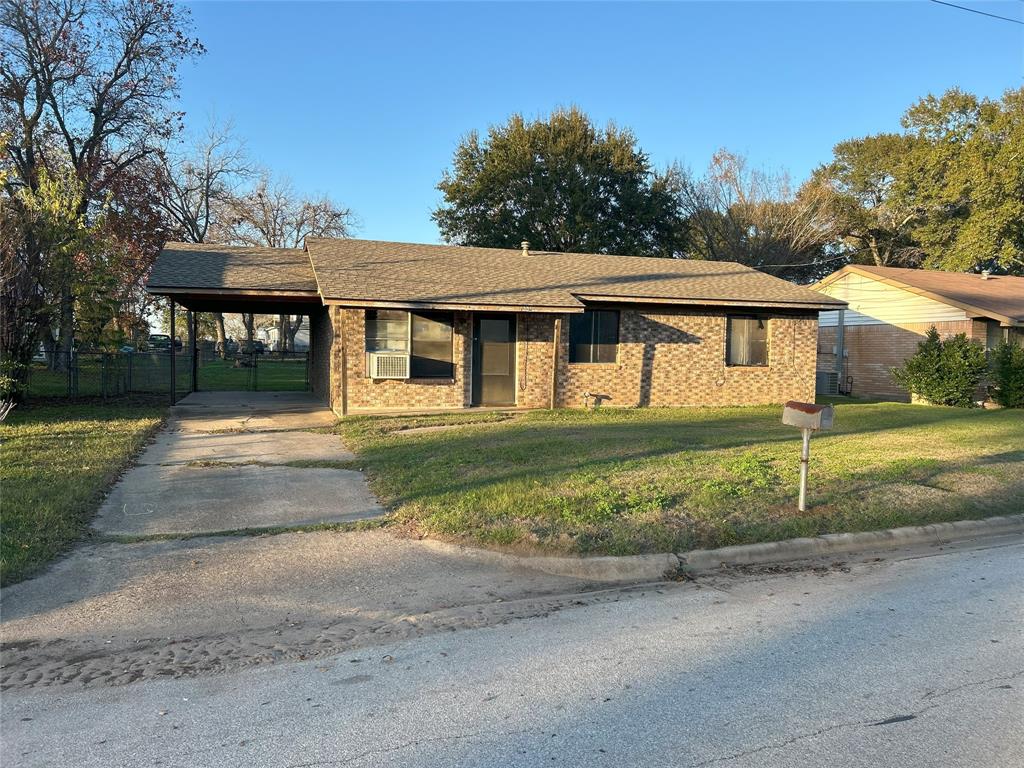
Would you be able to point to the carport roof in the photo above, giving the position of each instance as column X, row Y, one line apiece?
column 205, row 267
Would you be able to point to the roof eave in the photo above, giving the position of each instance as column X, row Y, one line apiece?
column 834, row 304
column 158, row 290
column 454, row 306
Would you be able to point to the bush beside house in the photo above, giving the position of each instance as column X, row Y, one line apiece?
column 1008, row 375
column 944, row 372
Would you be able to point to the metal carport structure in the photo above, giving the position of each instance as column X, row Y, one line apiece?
column 231, row 279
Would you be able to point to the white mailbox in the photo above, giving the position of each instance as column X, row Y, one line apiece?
column 807, row 415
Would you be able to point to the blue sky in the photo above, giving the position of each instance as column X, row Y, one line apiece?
column 366, row 102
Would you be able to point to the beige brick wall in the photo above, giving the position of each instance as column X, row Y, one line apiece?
column 676, row 358
column 664, row 359
column 321, row 340
column 872, row 351
column 534, row 356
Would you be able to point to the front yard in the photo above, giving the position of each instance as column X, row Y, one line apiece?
column 629, row 481
column 606, row 481
column 55, row 463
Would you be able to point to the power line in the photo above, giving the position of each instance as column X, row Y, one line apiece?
column 980, row 13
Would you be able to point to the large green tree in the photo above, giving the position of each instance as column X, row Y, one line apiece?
column 563, row 184
column 966, row 177
column 945, row 193
column 869, row 206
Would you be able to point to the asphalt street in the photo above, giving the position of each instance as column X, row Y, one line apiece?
column 915, row 659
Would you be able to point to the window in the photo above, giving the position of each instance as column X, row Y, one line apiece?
column 427, row 336
column 746, row 341
column 432, row 346
column 387, row 330
column 594, row 336
column 993, row 335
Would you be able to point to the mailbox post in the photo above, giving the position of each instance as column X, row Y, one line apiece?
column 809, row 418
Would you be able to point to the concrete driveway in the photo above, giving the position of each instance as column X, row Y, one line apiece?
column 237, row 460
column 113, row 612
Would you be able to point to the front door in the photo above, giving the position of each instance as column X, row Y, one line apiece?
column 494, row 360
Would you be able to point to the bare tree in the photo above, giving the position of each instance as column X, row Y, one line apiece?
column 198, row 187
column 273, row 214
column 736, row 213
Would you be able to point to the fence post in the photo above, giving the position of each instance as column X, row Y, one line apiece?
column 255, row 372
column 195, row 350
column 172, row 351
column 68, row 362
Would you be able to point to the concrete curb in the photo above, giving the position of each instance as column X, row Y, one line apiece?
column 838, row 543
column 642, row 568
column 632, row 568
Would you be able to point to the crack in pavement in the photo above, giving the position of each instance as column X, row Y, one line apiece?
column 913, row 715
column 948, row 691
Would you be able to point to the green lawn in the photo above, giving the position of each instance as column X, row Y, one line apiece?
column 269, row 374
column 55, row 463
column 655, row 480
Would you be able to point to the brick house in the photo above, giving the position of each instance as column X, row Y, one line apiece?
column 405, row 327
column 891, row 309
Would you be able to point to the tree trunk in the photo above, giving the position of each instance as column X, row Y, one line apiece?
column 282, row 333
column 62, row 359
column 249, row 320
column 50, row 344
column 293, row 330
column 222, row 336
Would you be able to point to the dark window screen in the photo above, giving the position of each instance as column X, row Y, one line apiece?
column 594, row 336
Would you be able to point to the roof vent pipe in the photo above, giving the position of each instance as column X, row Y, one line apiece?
column 526, row 247
column 984, row 274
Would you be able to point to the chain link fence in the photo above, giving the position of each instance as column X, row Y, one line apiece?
column 76, row 374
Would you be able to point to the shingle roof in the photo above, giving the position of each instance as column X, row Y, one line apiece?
column 376, row 271
column 1000, row 296
column 232, row 268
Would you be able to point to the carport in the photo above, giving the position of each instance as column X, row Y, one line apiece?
column 232, row 279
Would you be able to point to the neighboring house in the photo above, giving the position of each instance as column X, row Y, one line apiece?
column 405, row 327
column 271, row 336
column 890, row 311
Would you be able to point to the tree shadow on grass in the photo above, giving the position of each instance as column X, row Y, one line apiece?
column 546, row 450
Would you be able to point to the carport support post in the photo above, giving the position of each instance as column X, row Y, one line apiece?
column 557, row 339
column 192, row 332
column 805, row 457
column 173, row 351
column 840, row 350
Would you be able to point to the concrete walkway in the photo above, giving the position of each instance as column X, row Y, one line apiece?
column 231, row 460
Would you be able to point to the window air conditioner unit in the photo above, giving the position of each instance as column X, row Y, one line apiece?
column 389, row 365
